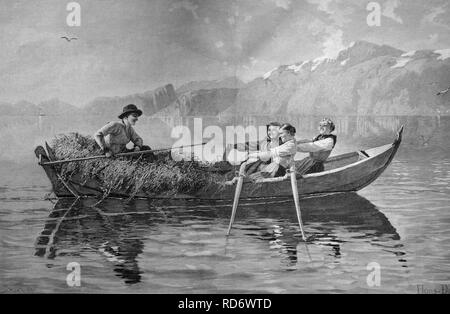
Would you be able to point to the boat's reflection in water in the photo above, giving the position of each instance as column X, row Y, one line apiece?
column 330, row 221
column 118, row 231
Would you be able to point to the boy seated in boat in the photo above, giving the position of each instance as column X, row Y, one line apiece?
column 280, row 157
column 319, row 148
column 114, row 136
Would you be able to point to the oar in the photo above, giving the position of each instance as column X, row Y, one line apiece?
column 58, row 162
column 237, row 193
column 296, row 199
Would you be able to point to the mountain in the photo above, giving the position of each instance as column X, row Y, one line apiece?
column 19, row 108
column 159, row 99
column 365, row 79
column 48, row 107
column 7, row 109
column 229, row 82
column 57, row 107
column 150, row 102
column 202, row 102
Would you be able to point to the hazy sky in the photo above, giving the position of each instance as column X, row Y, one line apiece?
column 131, row 46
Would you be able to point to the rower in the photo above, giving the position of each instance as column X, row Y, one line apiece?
column 271, row 141
column 319, row 148
column 114, row 136
column 281, row 156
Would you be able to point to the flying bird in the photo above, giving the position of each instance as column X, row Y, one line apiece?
column 69, row 39
column 443, row 92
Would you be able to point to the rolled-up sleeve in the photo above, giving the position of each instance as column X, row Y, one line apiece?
column 248, row 146
column 136, row 139
column 317, row 146
column 109, row 128
column 285, row 150
column 265, row 156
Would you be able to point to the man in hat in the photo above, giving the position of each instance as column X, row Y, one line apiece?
column 114, row 136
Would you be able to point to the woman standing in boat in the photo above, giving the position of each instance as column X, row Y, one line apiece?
column 281, row 156
column 319, row 148
column 114, row 136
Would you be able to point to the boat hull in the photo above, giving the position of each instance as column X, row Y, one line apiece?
column 344, row 173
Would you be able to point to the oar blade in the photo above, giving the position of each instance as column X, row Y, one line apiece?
column 297, row 202
column 237, row 194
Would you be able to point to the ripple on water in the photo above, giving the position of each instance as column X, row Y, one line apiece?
column 401, row 221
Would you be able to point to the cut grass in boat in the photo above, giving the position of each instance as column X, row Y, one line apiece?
column 132, row 175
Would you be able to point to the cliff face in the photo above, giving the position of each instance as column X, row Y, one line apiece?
column 365, row 79
column 150, row 102
column 159, row 99
column 202, row 102
column 229, row 82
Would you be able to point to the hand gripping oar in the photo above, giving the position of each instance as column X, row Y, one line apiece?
column 237, row 193
column 296, row 199
column 142, row 152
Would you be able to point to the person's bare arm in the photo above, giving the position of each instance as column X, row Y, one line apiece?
column 137, row 140
column 317, row 146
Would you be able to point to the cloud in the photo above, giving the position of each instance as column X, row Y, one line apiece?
column 332, row 33
column 316, row 26
column 333, row 43
column 285, row 4
column 337, row 13
column 187, row 5
column 219, row 44
column 248, row 18
column 322, row 5
column 389, row 10
column 30, row 35
column 433, row 39
column 432, row 18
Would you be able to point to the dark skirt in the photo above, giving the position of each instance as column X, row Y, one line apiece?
column 309, row 165
column 255, row 166
column 271, row 170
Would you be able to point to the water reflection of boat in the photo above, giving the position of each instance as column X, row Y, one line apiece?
column 331, row 221
column 116, row 231
column 74, row 225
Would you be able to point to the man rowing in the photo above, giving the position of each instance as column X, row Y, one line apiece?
column 319, row 148
column 114, row 136
column 281, row 156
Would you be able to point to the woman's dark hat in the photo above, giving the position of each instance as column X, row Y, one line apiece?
column 128, row 109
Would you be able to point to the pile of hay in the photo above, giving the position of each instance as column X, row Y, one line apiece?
column 131, row 175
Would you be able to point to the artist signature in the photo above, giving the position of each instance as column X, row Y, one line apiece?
column 442, row 289
column 16, row 290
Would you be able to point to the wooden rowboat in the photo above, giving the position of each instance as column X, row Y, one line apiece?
column 343, row 173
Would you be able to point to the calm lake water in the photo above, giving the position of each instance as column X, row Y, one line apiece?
column 401, row 221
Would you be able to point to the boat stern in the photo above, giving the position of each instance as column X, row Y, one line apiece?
column 57, row 186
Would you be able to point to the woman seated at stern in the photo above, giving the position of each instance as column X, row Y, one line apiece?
column 281, row 156
column 319, row 148
column 114, row 136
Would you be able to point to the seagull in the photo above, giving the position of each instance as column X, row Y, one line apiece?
column 443, row 92
column 69, row 39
